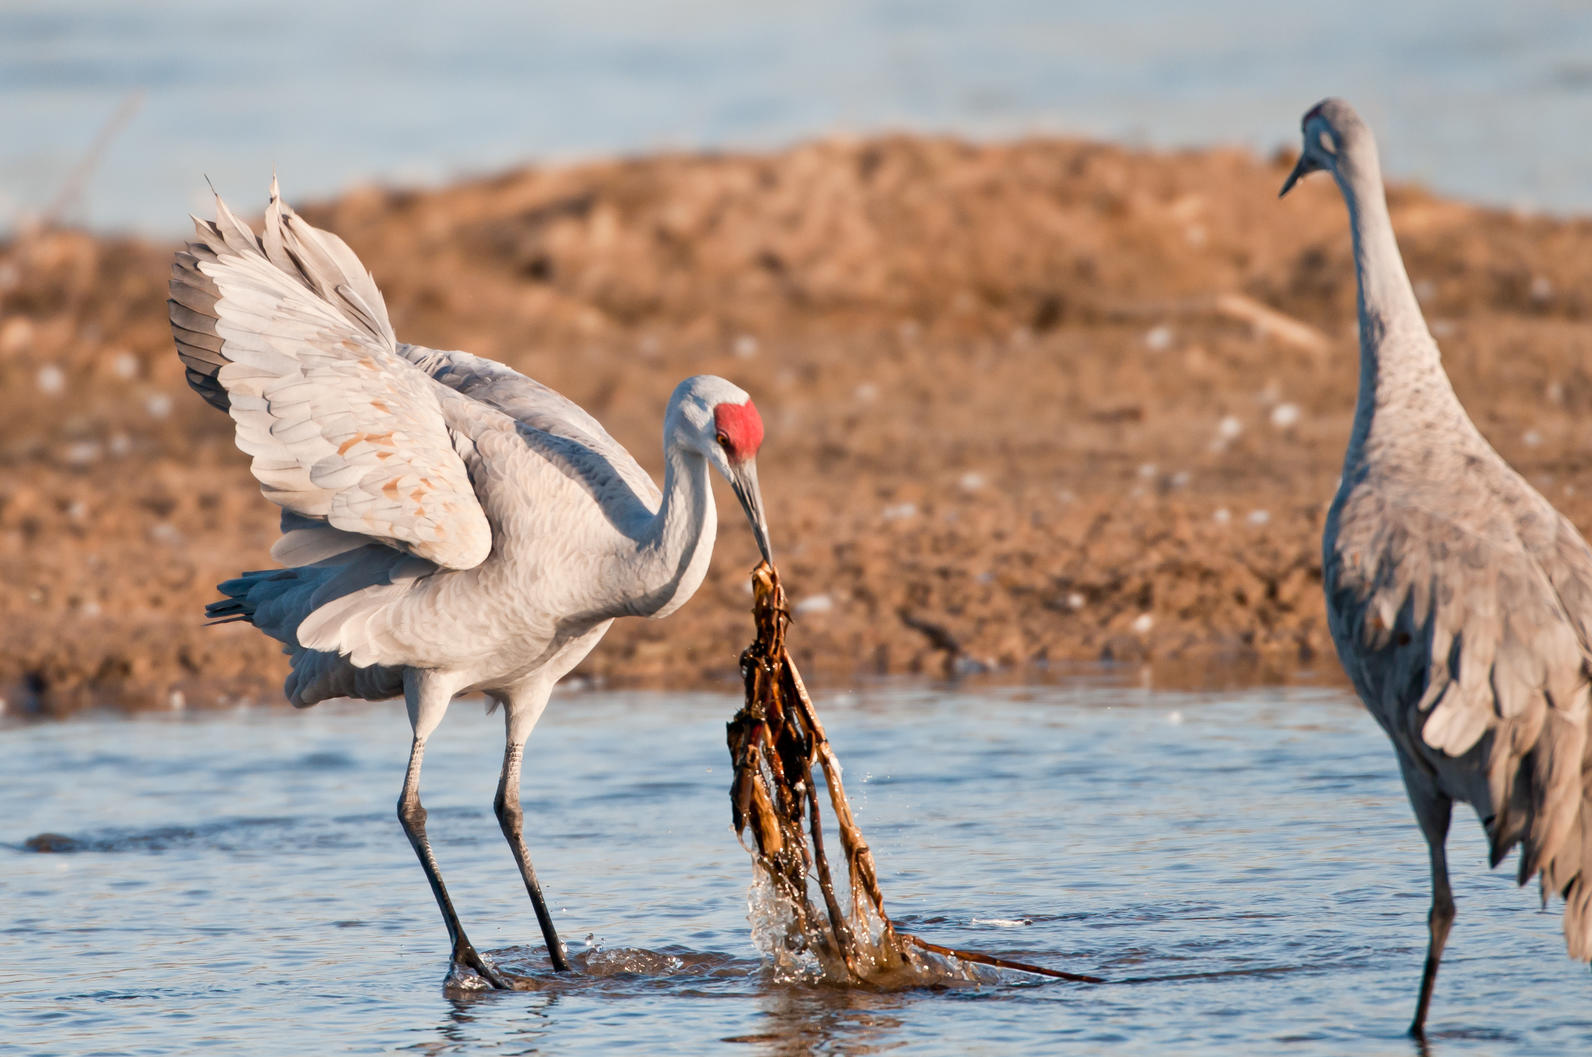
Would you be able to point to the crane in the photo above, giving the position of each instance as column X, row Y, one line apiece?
column 449, row 526
column 1459, row 599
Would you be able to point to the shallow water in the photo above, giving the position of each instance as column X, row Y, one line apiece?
column 237, row 882
column 1478, row 98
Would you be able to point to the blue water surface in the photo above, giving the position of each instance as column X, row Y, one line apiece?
column 236, row 882
column 1481, row 99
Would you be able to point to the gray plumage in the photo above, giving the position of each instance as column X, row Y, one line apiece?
column 449, row 526
column 1459, row 599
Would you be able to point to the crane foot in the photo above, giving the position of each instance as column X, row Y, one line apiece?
column 465, row 956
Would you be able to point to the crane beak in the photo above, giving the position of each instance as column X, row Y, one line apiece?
column 1304, row 167
column 743, row 479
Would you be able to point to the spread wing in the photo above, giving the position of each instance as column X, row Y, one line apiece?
column 288, row 334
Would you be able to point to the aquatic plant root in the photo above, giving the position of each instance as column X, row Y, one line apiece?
column 774, row 741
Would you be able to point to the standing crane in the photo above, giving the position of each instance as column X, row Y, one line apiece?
column 449, row 526
column 1460, row 600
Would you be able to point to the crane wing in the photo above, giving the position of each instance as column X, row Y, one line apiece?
column 288, row 333
column 536, row 407
column 1459, row 637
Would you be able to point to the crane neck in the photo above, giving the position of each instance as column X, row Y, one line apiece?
column 1403, row 386
column 674, row 552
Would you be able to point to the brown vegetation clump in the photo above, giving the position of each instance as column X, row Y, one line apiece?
column 775, row 741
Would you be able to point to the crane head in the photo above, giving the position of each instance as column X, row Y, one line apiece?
column 718, row 420
column 1333, row 135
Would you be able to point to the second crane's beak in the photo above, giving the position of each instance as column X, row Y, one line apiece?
column 743, row 478
column 1304, row 167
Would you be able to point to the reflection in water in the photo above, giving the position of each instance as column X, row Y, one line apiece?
column 828, row 1021
column 1249, row 862
column 529, row 1027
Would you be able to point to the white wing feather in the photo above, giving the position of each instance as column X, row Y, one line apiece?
column 291, row 336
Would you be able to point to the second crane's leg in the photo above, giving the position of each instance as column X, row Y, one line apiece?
column 519, row 717
column 1433, row 811
column 425, row 712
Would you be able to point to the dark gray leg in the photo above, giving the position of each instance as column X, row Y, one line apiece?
column 413, row 817
column 512, row 818
column 1434, row 815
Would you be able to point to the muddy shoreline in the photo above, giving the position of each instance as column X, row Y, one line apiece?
column 1029, row 405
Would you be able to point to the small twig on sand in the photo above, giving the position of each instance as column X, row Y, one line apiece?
column 1269, row 322
column 1239, row 308
column 73, row 186
column 938, row 636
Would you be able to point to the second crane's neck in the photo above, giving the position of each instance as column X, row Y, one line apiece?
column 674, row 553
column 1404, row 390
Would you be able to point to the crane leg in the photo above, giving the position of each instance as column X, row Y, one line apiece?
column 512, row 818
column 413, row 817
column 427, row 703
column 1434, row 815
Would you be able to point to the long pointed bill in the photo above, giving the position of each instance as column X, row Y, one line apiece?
column 1303, row 167
column 743, row 479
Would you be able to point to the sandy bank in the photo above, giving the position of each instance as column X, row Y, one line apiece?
column 1027, row 404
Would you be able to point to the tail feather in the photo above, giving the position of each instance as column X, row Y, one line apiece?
column 279, row 601
column 316, row 260
column 1540, row 779
column 1569, row 874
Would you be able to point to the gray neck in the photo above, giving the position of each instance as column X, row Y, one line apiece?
column 672, row 555
column 1402, row 383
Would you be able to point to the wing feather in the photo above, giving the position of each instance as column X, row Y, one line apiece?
column 289, row 334
column 1470, row 644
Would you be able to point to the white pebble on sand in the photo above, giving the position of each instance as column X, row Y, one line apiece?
column 51, row 380
column 1532, row 438
column 746, row 346
column 899, row 511
column 815, row 604
column 126, row 365
column 1222, row 516
column 971, row 481
column 1158, row 338
column 1259, row 517
column 1285, row 416
column 81, row 452
column 1229, row 428
column 1075, row 601
column 158, row 405
column 1143, row 623
column 166, row 532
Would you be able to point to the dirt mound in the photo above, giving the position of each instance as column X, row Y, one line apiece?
column 1028, row 404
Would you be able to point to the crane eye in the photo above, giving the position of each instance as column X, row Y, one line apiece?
column 724, row 440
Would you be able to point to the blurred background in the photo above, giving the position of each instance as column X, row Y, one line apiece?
column 1484, row 100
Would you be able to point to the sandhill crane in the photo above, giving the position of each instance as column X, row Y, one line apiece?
column 1460, row 601
column 449, row 525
